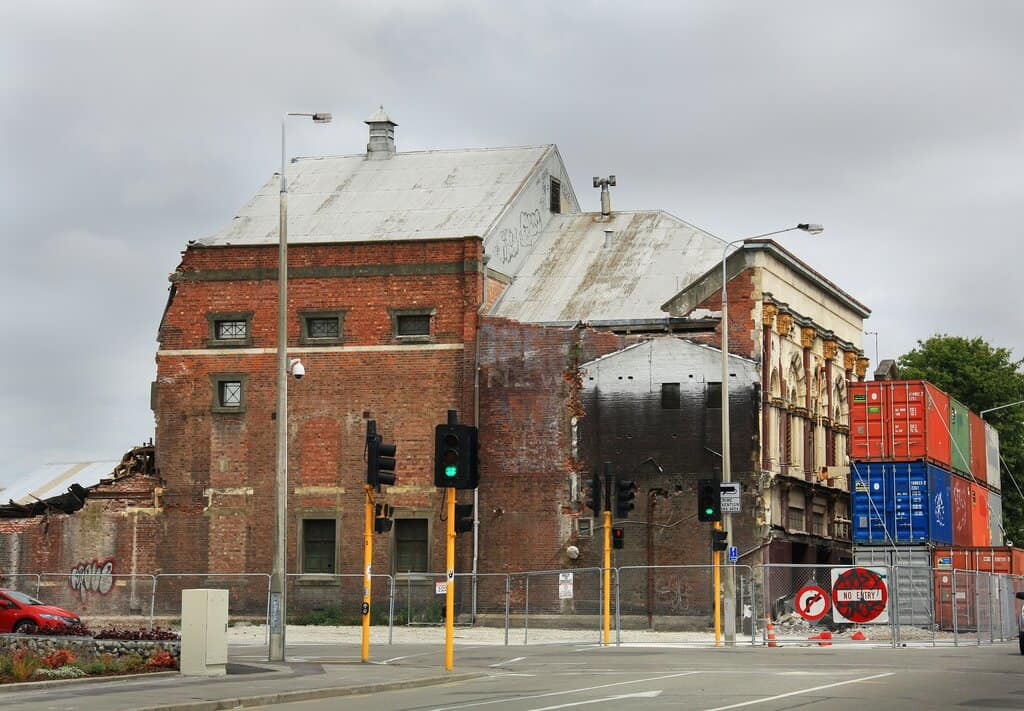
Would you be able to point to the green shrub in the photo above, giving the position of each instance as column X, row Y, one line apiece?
column 96, row 668
column 132, row 662
column 331, row 615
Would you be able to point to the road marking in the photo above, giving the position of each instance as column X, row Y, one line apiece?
column 517, row 659
column 801, row 691
column 562, row 693
column 638, row 695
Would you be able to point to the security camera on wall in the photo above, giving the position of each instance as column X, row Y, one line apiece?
column 297, row 369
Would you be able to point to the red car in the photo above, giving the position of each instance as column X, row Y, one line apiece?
column 20, row 613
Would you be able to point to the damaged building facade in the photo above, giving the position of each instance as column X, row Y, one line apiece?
column 470, row 280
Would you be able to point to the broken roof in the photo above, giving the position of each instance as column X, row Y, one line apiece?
column 52, row 480
column 578, row 272
column 414, row 195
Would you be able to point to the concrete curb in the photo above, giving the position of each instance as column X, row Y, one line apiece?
column 311, row 694
column 83, row 680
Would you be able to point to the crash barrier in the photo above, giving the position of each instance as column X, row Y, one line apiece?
column 891, row 604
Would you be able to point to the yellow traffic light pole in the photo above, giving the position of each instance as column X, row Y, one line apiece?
column 367, row 570
column 449, row 602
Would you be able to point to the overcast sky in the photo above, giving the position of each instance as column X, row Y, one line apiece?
column 130, row 128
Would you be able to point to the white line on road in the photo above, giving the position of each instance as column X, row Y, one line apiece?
column 509, row 661
column 638, row 695
column 801, row 691
column 562, row 693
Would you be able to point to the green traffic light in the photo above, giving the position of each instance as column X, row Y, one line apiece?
column 708, row 512
column 451, row 471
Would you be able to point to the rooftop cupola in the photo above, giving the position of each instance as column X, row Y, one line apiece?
column 382, row 136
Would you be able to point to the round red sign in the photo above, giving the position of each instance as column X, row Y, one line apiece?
column 812, row 603
column 859, row 595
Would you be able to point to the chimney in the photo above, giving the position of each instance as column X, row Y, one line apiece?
column 606, row 197
column 382, row 136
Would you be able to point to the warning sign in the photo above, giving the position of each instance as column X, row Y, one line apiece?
column 860, row 595
column 812, row 603
column 565, row 586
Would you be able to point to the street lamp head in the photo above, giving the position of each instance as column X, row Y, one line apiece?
column 322, row 117
column 811, row 227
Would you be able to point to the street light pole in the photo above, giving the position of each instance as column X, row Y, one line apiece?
column 993, row 409
column 729, row 585
column 278, row 582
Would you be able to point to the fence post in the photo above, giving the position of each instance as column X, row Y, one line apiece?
column 618, row 610
column 956, row 612
column 152, row 601
column 508, row 602
column 526, row 613
column 391, row 608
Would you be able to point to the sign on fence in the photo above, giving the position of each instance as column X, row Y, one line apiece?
column 812, row 602
column 860, row 595
column 565, row 586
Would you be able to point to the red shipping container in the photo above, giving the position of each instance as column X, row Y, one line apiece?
column 899, row 420
column 986, row 559
column 979, row 462
column 963, row 521
column 981, row 533
column 998, row 560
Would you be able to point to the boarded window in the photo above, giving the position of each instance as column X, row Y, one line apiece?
column 714, row 396
column 318, row 545
column 411, row 545
column 670, row 399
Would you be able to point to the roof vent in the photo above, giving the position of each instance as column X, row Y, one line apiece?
column 606, row 197
column 382, row 136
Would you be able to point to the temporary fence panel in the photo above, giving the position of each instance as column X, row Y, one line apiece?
column 681, row 597
column 332, row 598
column 565, row 599
column 248, row 593
column 98, row 595
column 27, row 583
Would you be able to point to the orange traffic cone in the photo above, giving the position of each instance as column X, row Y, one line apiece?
column 826, row 635
column 859, row 636
column 771, row 634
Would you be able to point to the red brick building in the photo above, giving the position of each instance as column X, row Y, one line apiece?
column 424, row 282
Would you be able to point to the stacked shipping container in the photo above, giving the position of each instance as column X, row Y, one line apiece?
column 924, row 468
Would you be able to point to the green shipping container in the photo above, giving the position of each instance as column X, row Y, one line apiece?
column 960, row 436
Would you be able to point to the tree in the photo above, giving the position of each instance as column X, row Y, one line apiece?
column 981, row 377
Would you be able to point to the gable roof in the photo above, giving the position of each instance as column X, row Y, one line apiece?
column 414, row 195
column 577, row 273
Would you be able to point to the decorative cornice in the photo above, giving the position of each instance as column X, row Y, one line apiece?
column 807, row 336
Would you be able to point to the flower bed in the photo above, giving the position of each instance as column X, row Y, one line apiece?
column 37, row 657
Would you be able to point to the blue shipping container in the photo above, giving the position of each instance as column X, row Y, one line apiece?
column 900, row 503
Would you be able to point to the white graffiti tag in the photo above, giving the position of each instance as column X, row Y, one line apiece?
column 94, row 576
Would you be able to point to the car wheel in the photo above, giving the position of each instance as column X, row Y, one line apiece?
column 25, row 627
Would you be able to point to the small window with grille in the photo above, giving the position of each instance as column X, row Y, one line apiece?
column 228, row 392
column 322, row 327
column 412, row 325
column 228, row 330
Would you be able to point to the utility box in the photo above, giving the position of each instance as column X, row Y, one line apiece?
column 204, row 632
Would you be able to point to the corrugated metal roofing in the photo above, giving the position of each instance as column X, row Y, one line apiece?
column 415, row 195
column 54, row 479
column 573, row 275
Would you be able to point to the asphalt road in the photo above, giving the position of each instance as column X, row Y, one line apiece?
column 549, row 677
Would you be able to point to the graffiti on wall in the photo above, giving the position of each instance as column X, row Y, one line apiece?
column 93, row 576
column 511, row 240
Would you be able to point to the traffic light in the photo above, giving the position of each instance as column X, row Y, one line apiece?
column 618, row 537
column 456, row 457
column 380, row 458
column 625, row 492
column 709, row 500
column 594, row 493
column 463, row 518
column 382, row 518
column 719, row 540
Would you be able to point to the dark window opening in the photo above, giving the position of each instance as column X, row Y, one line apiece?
column 318, row 545
column 714, row 396
column 414, row 325
column 555, row 197
column 670, row 398
column 411, row 545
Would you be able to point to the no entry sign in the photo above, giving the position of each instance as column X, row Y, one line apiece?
column 859, row 595
column 812, row 603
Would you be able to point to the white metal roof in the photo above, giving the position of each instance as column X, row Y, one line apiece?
column 415, row 195
column 576, row 273
column 54, row 479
